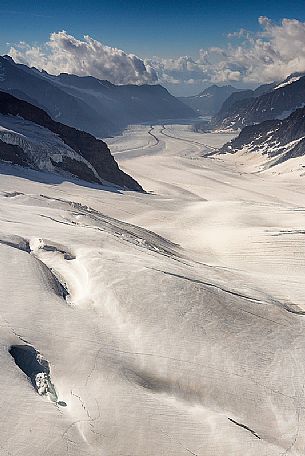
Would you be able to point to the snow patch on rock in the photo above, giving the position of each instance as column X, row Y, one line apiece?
column 287, row 82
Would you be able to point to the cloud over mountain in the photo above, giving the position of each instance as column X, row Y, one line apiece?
column 67, row 54
column 273, row 53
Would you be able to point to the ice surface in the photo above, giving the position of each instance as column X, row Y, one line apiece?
column 39, row 143
column 182, row 330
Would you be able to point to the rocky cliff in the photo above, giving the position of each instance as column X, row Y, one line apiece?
column 279, row 140
column 29, row 136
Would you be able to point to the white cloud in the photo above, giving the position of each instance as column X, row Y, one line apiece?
column 64, row 53
column 273, row 53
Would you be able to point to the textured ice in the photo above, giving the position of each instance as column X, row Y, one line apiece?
column 184, row 329
column 38, row 142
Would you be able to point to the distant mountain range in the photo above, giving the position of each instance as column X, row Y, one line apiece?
column 271, row 101
column 272, row 119
column 41, row 115
column 277, row 140
column 30, row 138
column 89, row 104
column 209, row 101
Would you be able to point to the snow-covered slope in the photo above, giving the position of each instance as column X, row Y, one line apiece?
column 290, row 80
column 29, row 137
column 166, row 323
column 275, row 141
column 271, row 101
column 44, row 149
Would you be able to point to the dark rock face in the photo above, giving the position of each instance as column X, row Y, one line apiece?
column 27, row 359
column 233, row 104
column 209, row 101
column 273, row 101
column 277, row 139
column 91, row 149
column 12, row 153
column 75, row 168
column 36, row 368
column 89, row 104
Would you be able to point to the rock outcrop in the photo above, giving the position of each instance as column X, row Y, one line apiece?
column 278, row 140
column 30, row 137
column 272, row 101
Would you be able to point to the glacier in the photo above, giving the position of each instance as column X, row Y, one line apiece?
column 171, row 321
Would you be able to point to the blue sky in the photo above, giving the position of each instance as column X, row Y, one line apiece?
column 147, row 28
column 269, row 50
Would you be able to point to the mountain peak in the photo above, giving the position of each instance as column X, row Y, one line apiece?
column 90, row 104
column 210, row 100
column 8, row 57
